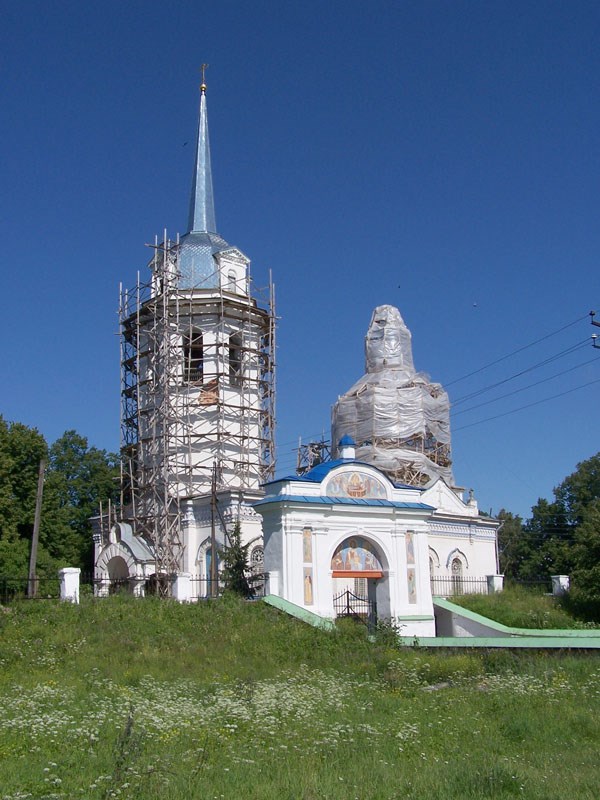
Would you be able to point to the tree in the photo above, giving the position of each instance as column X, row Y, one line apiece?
column 21, row 449
column 584, row 596
column 579, row 490
column 234, row 562
column 77, row 478
column 549, row 534
column 513, row 548
column 561, row 537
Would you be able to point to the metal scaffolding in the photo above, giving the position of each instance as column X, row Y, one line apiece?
column 311, row 454
column 197, row 397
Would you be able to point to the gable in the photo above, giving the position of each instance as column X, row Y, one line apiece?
column 444, row 500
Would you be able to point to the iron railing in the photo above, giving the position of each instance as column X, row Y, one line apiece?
column 454, row 585
column 45, row 587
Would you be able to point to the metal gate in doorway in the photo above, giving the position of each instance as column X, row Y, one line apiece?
column 348, row 604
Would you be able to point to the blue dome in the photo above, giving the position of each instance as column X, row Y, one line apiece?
column 197, row 268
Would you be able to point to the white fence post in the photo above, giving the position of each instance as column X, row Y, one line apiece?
column 69, row 584
column 560, row 585
column 495, row 583
column 182, row 587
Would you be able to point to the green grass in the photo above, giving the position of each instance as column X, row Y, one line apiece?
column 519, row 607
column 149, row 699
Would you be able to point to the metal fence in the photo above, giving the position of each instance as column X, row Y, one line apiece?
column 46, row 587
column 453, row 585
column 160, row 586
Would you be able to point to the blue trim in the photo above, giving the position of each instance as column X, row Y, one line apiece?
column 321, row 471
column 341, row 501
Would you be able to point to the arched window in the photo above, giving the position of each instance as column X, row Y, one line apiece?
column 231, row 281
column 193, row 358
column 257, row 557
column 206, row 589
column 235, row 359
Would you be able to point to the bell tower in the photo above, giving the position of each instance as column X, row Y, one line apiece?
column 197, row 388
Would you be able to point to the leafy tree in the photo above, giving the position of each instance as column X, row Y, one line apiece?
column 584, row 596
column 513, row 548
column 579, row 490
column 77, row 478
column 561, row 537
column 234, row 563
column 21, row 449
column 549, row 535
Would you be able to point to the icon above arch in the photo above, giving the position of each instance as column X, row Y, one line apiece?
column 356, row 557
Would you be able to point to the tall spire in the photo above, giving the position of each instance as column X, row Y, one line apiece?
column 202, row 206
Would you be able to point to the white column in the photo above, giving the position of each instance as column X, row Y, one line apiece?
column 495, row 583
column 69, row 584
column 182, row 587
column 560, row 585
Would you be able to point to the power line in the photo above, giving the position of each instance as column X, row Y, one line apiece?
column 524, row 388
column 543, row 363
column 529, row 405
column 518, row 350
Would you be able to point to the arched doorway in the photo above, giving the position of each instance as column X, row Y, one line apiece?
column 207, row 587
column 360, row 585
column 118, row 575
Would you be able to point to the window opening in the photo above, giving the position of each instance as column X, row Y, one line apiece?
column 235, row 359
column 193, row 353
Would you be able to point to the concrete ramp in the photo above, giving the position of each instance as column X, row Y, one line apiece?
column 299, row 613
column 458, row 627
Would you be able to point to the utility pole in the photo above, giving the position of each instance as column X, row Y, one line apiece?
column 597, row 324
column 32, row 582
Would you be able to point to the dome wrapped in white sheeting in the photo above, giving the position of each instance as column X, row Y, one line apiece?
column 398, row 418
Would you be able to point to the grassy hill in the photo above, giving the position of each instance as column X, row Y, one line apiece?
column 148, row 699
column 520, row 607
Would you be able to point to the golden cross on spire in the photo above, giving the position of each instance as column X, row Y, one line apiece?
column 203, row 68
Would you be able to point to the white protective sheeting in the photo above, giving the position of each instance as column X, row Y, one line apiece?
column 399, row 420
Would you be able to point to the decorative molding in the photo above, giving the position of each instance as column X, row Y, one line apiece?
column 456, row 553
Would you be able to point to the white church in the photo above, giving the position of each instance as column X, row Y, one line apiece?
column 374, row 532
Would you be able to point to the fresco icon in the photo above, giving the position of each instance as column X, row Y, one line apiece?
column 356, row 484
column 308, row 586
column 356, row 554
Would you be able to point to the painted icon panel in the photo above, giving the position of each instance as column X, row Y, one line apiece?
column 356, row 484
column 356, row 554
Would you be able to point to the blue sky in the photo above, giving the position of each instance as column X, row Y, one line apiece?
column 438, row 156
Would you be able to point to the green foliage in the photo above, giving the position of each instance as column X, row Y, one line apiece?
column 584, row 596
column 561, row 537
column 519, row 607
column 21, row 449
column 512, row 545
column 77, row 478
column 235, row 564
column 149, row 699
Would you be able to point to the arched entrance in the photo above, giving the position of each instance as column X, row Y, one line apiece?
column 360, row 585
column 118, row 575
